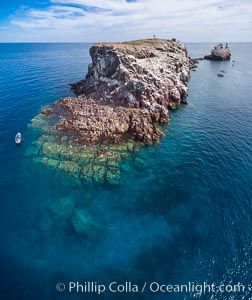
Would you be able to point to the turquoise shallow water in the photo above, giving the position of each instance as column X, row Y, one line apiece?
column 183, row 216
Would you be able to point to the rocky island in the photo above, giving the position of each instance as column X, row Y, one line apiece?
column 127, row 92
column 220, row 53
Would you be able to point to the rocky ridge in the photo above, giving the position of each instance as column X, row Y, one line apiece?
column 127, row 92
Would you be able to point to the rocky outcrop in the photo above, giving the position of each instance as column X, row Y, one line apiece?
column 127, row 91
column 220, row 53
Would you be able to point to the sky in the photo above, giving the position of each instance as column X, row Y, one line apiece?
column 119, row 20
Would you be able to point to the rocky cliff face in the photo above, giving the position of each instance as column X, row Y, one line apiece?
column 127, row 91
column 220, row 52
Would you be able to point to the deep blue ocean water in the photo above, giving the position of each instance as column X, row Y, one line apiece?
column 185, row 216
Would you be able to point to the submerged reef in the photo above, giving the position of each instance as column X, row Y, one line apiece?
column 127, row 93
column 92, row 164
column 220, row 52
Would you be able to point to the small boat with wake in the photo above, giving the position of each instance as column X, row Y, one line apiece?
column 220, row 75
column 18, row 138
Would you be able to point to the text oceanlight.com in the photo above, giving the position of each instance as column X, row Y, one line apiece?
column 152, row 287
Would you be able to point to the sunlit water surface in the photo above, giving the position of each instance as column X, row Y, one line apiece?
column 184, row 215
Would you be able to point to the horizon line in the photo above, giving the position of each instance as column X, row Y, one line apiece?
column 66, row 42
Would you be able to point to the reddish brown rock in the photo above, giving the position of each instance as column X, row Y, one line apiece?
column 127, row 91
column 47, row 112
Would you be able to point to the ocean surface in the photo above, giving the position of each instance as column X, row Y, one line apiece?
column 185, row 215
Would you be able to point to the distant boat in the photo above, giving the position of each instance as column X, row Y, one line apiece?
column 220, row 75
column 222, row 71
column 18, row 138
column 233, row 61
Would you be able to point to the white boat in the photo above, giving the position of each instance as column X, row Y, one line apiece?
column 18, row 138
